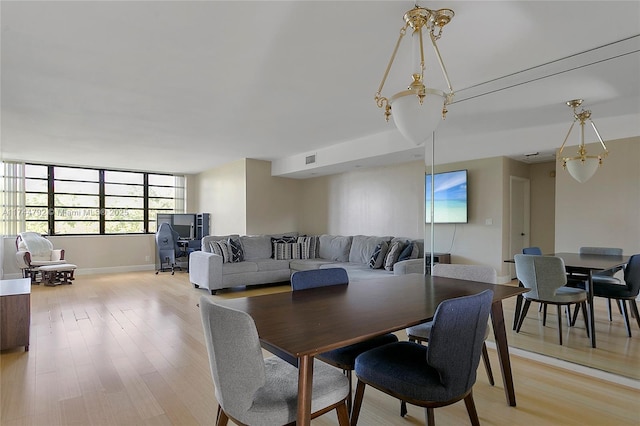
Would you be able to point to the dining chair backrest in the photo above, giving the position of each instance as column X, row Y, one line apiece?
column 456, row 360
column 608, row 251
column 532, row 250
column 632, row 274
column 542, row 274
column 235, row 356
column 302, row 280
column 482, row 273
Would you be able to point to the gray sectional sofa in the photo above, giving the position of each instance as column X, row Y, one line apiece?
column 227, row 261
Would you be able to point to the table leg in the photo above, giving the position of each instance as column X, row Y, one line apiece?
column 305, row 385
column 592, row 321
column 500, row 334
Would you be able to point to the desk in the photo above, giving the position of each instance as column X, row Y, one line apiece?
column 15, row 313
column 587, row 264
column 296, row 326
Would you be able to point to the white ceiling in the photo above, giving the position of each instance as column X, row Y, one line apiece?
column 186, row 86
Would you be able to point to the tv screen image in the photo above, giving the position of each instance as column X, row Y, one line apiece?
column 450, row 195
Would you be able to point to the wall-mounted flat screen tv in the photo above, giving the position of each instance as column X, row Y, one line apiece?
column 450, row 195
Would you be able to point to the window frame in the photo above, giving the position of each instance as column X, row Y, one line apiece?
column 103, row 221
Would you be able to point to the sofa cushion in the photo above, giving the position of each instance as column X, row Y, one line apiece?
column 256, row 247
column 362, row 247
column 308, row 264
column 392, row 255
column 239, row 268
column 377, row 257
column 221, row 248
column 334, row 247
column 235, row 247
column 272, row 265
column 287, row 251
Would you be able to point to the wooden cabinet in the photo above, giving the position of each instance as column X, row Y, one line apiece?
column 15, row 313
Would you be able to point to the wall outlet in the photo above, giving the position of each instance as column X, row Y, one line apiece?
column 147, row 258
column 488, row 222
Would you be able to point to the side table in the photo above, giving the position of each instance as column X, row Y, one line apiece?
column 15, row 313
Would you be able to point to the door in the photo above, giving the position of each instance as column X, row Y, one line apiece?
column 519, row 211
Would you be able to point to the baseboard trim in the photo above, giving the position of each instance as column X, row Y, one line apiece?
column 566, row 365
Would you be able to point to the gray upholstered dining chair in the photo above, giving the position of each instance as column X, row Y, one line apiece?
column 436, row 375
column 252, row 390
column 623, row 291
column 534, row 250
column 546, row 277
column 482, row 273
column 344, row 357
column 603, row 277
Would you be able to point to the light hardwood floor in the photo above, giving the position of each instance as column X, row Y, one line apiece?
column 127, row 349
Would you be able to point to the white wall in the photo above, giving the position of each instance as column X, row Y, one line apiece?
column 605, row 210
column 475, row 242
column 222, row 192
column 543, row 202
column 272, row 202
column 375, row 201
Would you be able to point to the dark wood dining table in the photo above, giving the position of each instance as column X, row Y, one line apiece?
column 296, row 326
column 587, row 264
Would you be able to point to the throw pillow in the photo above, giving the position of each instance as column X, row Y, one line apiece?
column 287, row 251
column 221, row 248
column 377, row 257
column 406, row 252
column 392, row 255
column 284, row 239
column 311, row 243
column 237, row 252
column 415, row 251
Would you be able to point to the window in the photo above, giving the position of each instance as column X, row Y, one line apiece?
column 61, row 200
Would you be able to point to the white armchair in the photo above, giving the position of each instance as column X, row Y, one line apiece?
column 35, row 251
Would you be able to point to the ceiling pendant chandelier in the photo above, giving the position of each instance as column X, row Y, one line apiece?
column 418, row 110
column 582, row 167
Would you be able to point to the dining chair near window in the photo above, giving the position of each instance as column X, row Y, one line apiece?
column 344, row 357
column 486, row 274
column 623, row 291
column 252, row 390
column 546, row 277
column 436, row 375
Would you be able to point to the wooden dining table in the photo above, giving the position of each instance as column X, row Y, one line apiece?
column 586, row 264
column 297, row 326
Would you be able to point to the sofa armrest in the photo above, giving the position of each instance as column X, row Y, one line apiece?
column 205, row 270
column 410, row 266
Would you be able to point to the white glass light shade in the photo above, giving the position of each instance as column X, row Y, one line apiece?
column 582, row 170
column 416, row 122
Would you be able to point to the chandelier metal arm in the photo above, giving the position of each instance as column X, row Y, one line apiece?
column 567, row 137
column 606, row 151
column 403, row 31
column 442, row 67
column 382, row 101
